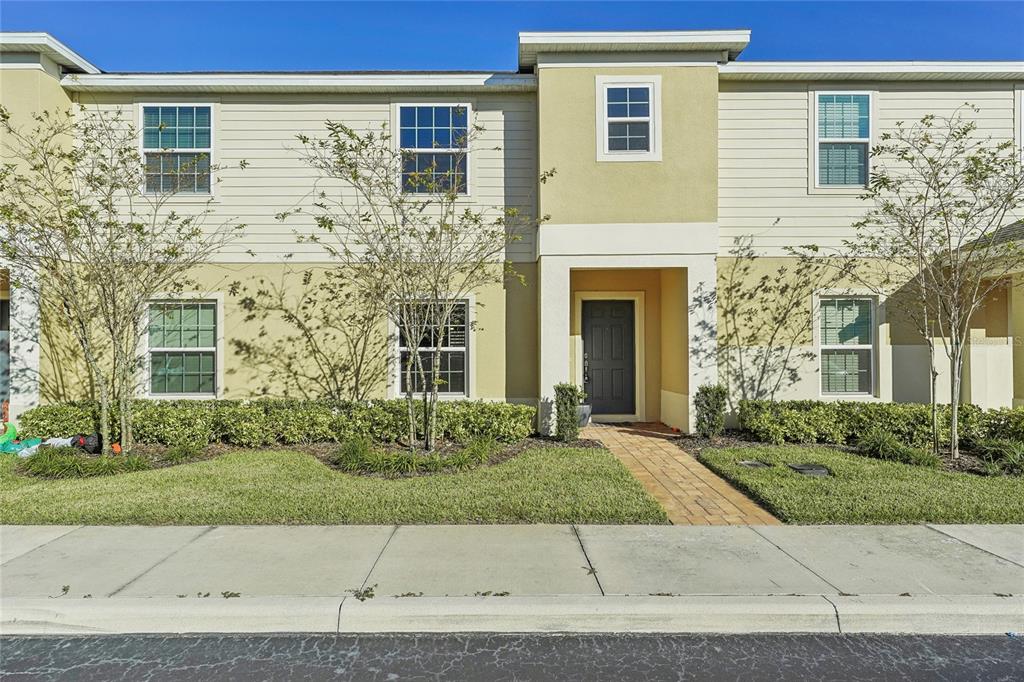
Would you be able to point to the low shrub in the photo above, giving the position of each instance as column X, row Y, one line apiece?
column 710, row 403
column 881, row 444
column 845, row 422
column 67, row 462
column 256, row 423
column 53, row 421
column 1004, row 455
column 568, row 398
column 464, row 421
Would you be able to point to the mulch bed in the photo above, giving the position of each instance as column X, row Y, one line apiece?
column 968, row 462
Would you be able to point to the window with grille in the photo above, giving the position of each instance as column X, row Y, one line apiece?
column 628, row 119
column 183, row 348
column 847, row 346
column 453, row 342
column 177, row 143
column 434, row 142
column 843, row 135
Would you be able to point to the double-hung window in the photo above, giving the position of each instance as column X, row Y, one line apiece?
column 434, row 142
column 843, row 138
column 628, row 118
column 183, row 348
column 177, row 142
column 847, row 346
column 453, row 341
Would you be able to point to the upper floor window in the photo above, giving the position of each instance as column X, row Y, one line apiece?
column 177, row 143
column 434, row 142
column 843, row 138
column 847, row 346
column 629, row 119
column 627, row 125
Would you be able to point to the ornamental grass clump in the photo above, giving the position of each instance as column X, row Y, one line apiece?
column 67, row 462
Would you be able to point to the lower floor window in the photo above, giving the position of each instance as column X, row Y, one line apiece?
column 183, row 348
column 169, row 172
column 452, row 340
column 847, row 346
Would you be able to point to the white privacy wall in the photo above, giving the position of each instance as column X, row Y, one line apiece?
column 766, row 161
column 262, row 129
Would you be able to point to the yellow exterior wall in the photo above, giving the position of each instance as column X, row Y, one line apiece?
column 674, row 331
column 24, row 92
column 520, row 336
column 490, row 368
column 682, row 187
column 649, row 282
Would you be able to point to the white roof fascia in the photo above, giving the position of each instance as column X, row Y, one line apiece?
column 533, row 43
column 46, row 44
column 298, row 82
column 905, row 70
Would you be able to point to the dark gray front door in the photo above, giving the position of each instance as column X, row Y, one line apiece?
column 609, row 376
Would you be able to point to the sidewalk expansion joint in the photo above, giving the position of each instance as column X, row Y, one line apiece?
column 394, row 529
column 970, row 544
column 590, row 564
column 839, row 624
column 799, row 563
column 34, row 549
column 165, row 558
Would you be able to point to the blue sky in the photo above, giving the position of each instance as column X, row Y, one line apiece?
column 183, row 36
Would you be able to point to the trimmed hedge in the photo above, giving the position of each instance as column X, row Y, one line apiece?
column 255, row 423
column 843, row 423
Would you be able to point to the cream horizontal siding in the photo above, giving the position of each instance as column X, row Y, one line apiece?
column 765, row 155
column 262, row 130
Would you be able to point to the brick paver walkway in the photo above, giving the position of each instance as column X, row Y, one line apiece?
column 691, row 493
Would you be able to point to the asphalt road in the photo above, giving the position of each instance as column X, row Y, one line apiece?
column 617, row 657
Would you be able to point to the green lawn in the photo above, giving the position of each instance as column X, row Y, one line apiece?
column 864, row 490
column 546, row 485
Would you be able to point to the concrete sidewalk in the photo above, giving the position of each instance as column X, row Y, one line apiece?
column 920, row 579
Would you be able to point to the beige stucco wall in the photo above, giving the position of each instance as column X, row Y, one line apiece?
column 520, row 337
column 27, row 91
column 682, row 187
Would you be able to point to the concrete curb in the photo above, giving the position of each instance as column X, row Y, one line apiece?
column 721, row 614
column 931, row 614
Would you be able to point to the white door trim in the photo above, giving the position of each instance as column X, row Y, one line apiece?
column 640, row 381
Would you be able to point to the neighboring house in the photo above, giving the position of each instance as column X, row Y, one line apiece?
column 666, row 150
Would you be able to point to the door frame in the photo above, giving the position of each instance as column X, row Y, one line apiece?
column 640, row 381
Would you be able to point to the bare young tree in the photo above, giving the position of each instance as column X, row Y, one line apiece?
column 398, row 226
column 94, row 239
column 943, row 196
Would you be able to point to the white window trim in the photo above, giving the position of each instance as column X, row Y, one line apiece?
column 183, row 197
column 146, row 384
column 396, row 137
column 815, row 179
column 1019, row 112
column 395, row 387
column 602, row 84
column 873, row 393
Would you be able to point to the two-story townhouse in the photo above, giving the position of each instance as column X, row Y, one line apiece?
column 666, row 149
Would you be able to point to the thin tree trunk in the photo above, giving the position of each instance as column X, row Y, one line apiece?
column 933, row 395
column 954, row 403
